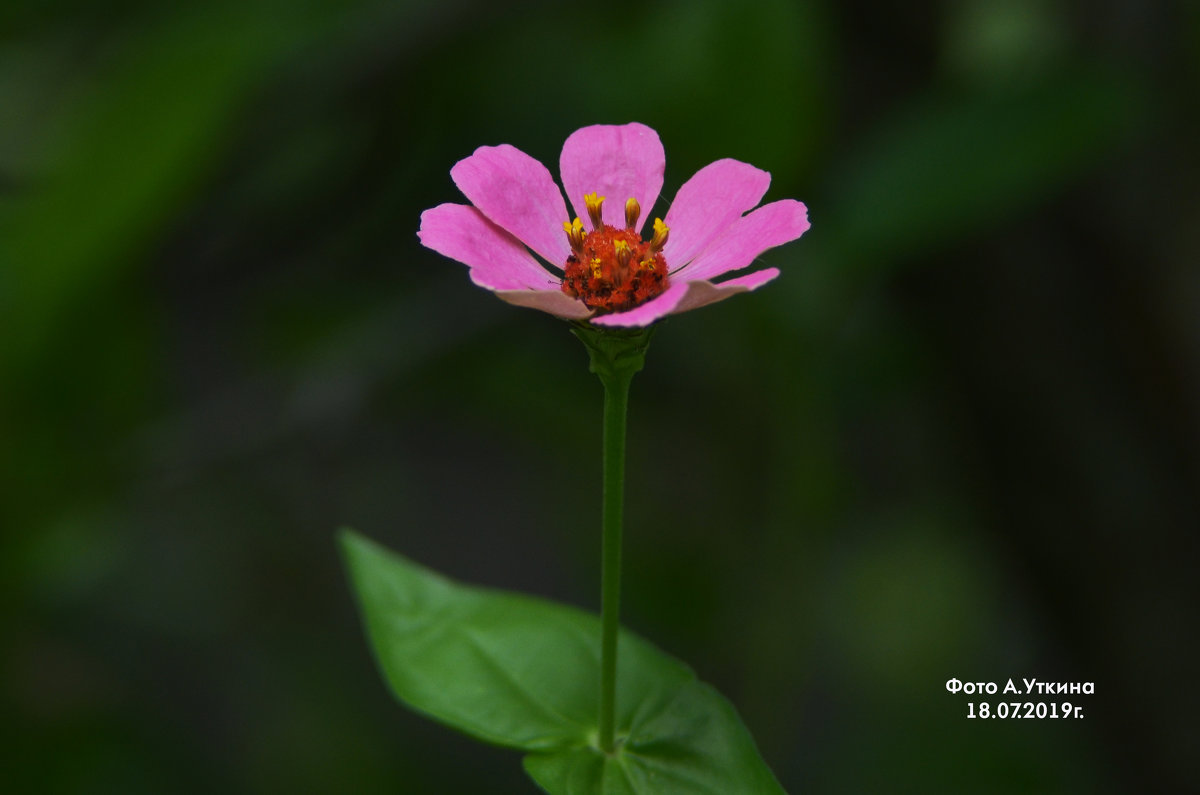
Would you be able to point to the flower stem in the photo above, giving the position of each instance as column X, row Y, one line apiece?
column 615, row 357
column 616, row 401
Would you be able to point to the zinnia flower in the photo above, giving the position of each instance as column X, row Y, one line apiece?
column 602, row 269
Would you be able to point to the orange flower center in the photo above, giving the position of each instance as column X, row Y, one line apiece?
column 612, row 270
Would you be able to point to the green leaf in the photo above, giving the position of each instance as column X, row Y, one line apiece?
column 524, row 672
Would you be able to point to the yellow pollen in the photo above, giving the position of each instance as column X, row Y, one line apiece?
column 594, row 203
column 633, row 211
column 596, row 268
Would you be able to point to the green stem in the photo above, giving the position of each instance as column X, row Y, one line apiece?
column 615, row 357
column 616, row 400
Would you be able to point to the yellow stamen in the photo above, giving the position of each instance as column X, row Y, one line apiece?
column 623, row 254
column 661, row 231
column 574, row 232
column 633, row 211
column 594, row 203
column 596, row 268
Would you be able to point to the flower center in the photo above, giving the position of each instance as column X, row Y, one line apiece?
column 612, row 270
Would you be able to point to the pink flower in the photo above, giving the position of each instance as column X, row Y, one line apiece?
column 602, row 269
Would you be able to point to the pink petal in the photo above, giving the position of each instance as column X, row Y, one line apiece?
column 497, row 260
column 518, row 194
column 705, row 293
column 553, row 301
column 685, row 296
column 770, row 225
column 647, row 313
column 710, row 201
column 617, row 162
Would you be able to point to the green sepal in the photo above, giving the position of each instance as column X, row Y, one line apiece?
column 616, row 353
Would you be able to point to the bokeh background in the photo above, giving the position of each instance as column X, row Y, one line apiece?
column 958, row 437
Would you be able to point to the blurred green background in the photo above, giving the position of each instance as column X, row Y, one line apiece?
column 958, row 437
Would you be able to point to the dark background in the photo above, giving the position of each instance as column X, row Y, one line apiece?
column 958, row 437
